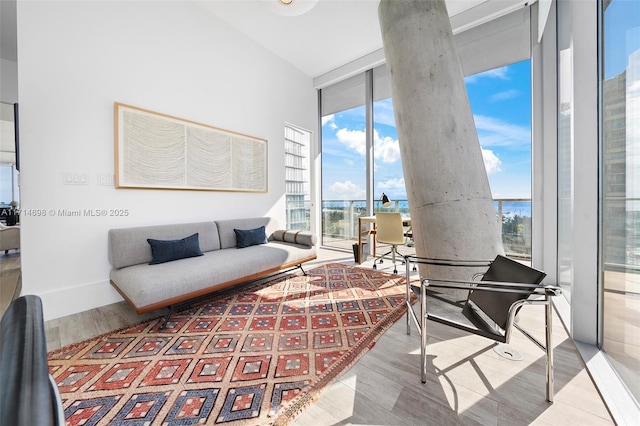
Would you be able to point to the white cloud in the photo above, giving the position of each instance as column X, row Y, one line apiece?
column 507, row 94
column 347, row 191
column 495, row 132
column 330, row 119
column 392, row 186
column 385, row 149
column 491, row 161
column 500, row 73
column 383, row 112
column 353, row 139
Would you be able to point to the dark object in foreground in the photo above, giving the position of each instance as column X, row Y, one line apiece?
column 28, row 394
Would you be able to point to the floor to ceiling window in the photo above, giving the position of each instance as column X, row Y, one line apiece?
column 620, row 199
column 500, row 99
column 388, row 177
column 360, row 147
column 9, row 190
column 565, row 153
column 297, row 177
column 344, row 169
column 501, row 103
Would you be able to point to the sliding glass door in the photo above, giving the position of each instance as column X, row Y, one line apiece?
column 388, row 176
column 344, row 169
column 501, row 104
column 620, row 202
column 361, row 151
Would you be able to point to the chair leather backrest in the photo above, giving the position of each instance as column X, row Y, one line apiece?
column 27, row 396
column 389, row 228
column 496, row 305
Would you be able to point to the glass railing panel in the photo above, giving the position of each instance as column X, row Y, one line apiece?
column 340, row 221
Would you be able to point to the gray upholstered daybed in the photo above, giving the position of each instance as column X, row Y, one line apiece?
column 222, row 264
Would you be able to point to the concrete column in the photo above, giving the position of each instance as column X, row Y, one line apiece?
column 448, row 190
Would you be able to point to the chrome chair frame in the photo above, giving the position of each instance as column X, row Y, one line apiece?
column 542, row 290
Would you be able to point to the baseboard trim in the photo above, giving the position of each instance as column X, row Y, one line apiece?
column 622, row 406
column 71, row 300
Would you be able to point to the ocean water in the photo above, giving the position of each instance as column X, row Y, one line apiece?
column 509, row 208
column 514, row 208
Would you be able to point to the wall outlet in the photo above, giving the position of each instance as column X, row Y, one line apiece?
column 75, row 178
column 105, row 179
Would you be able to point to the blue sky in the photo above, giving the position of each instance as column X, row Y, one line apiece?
column 622, row 35
column 501, row 104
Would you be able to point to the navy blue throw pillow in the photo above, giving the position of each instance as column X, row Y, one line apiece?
column 168, row 250
column 250, row 237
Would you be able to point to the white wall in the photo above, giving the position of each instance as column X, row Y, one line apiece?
column 8, row 81
column 75, row 60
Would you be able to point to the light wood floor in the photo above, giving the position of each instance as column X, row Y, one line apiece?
column 468, row 383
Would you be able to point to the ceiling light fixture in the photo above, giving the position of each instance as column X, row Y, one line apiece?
column 290, row 7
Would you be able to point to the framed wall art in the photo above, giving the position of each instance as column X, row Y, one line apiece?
column 154, row 150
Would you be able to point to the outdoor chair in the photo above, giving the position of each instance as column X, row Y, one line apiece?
column 389, row 230
column 490, row 307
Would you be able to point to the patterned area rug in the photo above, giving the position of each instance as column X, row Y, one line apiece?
column 255, row 355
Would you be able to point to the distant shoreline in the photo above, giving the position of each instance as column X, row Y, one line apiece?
column 509, row 208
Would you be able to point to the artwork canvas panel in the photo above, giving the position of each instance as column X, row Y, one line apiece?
column 155, row 150
column 249, row 165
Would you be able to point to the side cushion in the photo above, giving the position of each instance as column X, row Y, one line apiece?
column 129, row 246
column 168, row 250
column 297, row 237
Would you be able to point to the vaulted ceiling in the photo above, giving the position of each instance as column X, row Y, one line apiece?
column 333, row 32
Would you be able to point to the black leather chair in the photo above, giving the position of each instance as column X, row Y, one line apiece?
column 490, row 307
column 28, row 394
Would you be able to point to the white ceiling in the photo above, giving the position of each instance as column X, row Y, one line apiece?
column 334, row 32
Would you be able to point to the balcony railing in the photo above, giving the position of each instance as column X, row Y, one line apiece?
column 340, row 221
